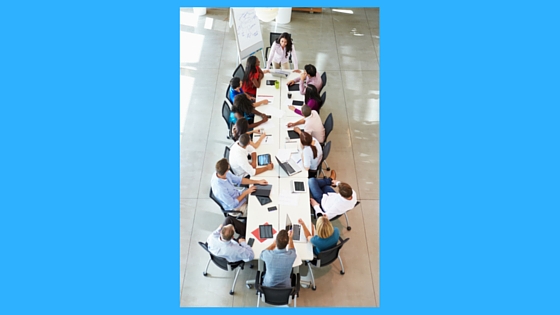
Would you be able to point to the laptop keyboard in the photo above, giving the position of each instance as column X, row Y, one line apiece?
column 299, row 186
column 296, row 230
column 289, row 168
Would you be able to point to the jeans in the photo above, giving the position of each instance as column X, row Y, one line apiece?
column 318, row 187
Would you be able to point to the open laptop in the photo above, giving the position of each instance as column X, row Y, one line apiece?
column 298, row 235
column 280, row 74
column 262, row 190
column 290, row 167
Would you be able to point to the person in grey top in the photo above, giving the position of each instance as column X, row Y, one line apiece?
column 279, row 261
column 221, row 243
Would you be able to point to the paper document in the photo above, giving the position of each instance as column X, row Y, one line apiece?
column 284, row 154
column 269, row 125
column 287, row 198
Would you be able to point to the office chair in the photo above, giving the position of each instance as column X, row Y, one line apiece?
column 226, row 112
column 326, row 151
column 323, row 100
column 324, row 79
column 235, row 213
column 239, row 72
column 227, row 94
column 277, row 296
column 348, row 227
column 222, row 263
column 328, row 125
column 325, row 258
column 273, row 37
column 226, row 153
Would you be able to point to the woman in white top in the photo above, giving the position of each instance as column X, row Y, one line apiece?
column 280, row 51
column 311, row 155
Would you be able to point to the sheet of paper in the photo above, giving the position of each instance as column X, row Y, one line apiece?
column 285, row 197
column 269, row 125
column 267, row 139
column 283, row 154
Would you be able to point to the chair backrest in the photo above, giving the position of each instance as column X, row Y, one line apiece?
column 226, row 112
column 213, row 197
column 274, row 36
column 329, row 125
column 226, row 153
column 324, row 79
column 326, row 257
column 239, row 72
column 277, row 296
column 338, row 216
column 227, row 93
column 326, row 150
column 222, row 263
column 323, row 99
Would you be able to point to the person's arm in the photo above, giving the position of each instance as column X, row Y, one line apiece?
column 245, row 251
column 259, row 103
column 306, row 158
column 260, row 170
column 245, row 193
column 290, row 239
column 299, row 122
column 256, row 144
column 313, row 104
column 246, row 181
column 303, row 78
column 271, row 246
column 305, row 229
column 294, row 57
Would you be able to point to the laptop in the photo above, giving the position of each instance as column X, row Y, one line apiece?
column 280, row 74
column 290, row 167
column 262, row 190
column 298, row 235
column 298, row 186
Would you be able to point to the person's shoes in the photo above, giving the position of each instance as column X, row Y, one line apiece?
column 333, row 178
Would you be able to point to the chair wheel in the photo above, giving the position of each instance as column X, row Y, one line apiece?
column 341, row 272
column 328, row 168
column 204, row 273
column 230, row 292
column 313, row 288
column 348, row 228
column 249, row 286
column 251, row 266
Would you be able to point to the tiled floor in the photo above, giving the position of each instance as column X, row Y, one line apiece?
column 346, row 46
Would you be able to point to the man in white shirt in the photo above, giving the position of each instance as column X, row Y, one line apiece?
column 239, row 162
column 312, row 124
column 222, row 244
column 326, row 201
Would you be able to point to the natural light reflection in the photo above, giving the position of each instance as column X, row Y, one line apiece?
column 368, row 112
column 208, row 23
column 343, row 11
column 321, row 61
column 191, row 45
column 188, row 18
column 186, row 84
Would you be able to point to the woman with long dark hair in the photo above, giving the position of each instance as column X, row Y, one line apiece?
column 311, row 154
column 280, row 51
column 241, row 127
column 312, row 99
column 253, row 76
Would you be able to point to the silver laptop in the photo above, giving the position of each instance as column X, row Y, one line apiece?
column 280, row 74
column 298, row 235
column 290, row 167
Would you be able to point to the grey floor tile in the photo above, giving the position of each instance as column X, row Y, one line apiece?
column 188, row 208
column 370, row 210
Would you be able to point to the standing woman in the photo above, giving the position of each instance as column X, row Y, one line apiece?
column 311, row 155
column 280, row 52
column 312, row 99
column 253, row 76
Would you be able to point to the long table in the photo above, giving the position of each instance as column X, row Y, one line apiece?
column 296, row 205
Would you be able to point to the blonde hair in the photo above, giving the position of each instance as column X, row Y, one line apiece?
column 324, row 227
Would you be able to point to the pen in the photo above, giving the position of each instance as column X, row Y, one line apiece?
column 298, row 161
column 265, row 96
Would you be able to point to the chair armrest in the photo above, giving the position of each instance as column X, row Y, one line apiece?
column 258, row 281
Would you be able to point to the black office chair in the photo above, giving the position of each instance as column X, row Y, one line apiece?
column 227, row 94
column 226, row 153
column 226, row 112
column 222, row 263
column 326, row 151
column 325, row 258
column 239, row 72
column 273, row 37
column 328, row 125
column 277, row 296
column 324, row 79
column 323, row 100
column 235, row 213
column 348, row 227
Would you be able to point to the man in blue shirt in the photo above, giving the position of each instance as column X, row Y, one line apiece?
column 221, row 243
column 279, row 261
column 223, row 186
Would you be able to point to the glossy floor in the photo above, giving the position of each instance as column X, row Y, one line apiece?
column 345, row 44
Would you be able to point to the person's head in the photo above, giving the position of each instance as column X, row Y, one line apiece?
column 241, row 127
column 285, row 40
column 324, row 227
column 235, row 83
column 312, row 93
column 236, row 112
column 345, row 190
column 222, row 166
column 243, row 104
column 282, row 239
column 244, row 140
column 227, row 232
column 310, row 70
column 306, row 140
column 250, row 67
column 306, row 111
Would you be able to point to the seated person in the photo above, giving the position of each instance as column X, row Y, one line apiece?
column 243, row 105
column 279, row 261
column 239, row 162
column 221, row 243
column 242, row 127
column 309, row 76
column 312, row 124
column 230, row 197
column 326, row 237
column 312, row 99
column 311, row 154
column 236, row 89
column 326, row 201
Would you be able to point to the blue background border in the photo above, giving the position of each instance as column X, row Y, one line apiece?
column 469, row 150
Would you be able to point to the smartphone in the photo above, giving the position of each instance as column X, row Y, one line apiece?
column 251, row 241
column 270, row 82
column 272, row 208
column 269, row 116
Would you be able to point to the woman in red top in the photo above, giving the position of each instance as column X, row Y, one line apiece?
column 253, row 76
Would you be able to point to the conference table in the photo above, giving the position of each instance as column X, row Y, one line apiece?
column 296, row 205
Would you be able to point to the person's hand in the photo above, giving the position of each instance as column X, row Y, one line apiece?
column 241, row 240
column 261, row 182
column 290, row 125
column 266, row 71
column 270, row 166
column 297, row 71
column 313, row 202
column 290, row 234
column 252, row 189
column 296, row 129
column 302, row 76
column 300, row 221
column 291, row 82
column 291, row 107
column 265, row 102
column 251, row 98
column 264, row 118
column 257, row 131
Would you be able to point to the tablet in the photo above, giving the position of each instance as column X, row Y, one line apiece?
column 263, row 159
column 293, row 135
column 294, row 87
column 270, row 82
column 265, row 231
column 297, row 103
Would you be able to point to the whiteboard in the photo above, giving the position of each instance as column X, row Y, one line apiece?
column 247, row 31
